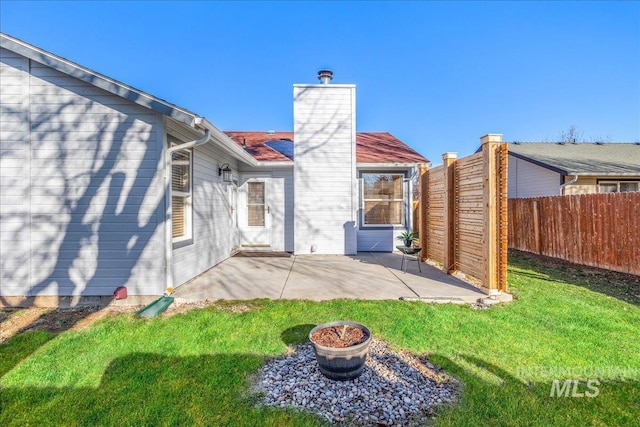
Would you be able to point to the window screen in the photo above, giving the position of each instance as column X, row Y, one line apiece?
column 383, row 199
column 255, row 204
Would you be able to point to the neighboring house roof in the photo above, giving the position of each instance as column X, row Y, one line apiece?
column 605, row 159
column 371, row 147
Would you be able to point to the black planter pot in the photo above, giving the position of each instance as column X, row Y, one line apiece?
column 408, row 242
column 341, row 364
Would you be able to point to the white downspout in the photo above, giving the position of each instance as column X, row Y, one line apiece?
column 409, row 200
column 168, row 244
column 573, row 181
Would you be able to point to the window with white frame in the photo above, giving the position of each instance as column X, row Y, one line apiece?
column 181, row 194
column 255, row 204
column 617, row 186
column 383, row 198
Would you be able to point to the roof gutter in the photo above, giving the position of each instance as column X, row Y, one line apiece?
column 168, row 167
column 573, row 181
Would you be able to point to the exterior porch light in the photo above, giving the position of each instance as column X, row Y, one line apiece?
column 225, row 171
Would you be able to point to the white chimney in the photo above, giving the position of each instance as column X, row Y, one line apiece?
column 324, row 170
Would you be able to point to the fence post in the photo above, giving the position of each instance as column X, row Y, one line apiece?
column 448, row 161
column 490, row 145
column 503, row 215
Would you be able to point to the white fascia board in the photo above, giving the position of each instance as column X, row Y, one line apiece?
column 264, row 164
column 96, row 79
column 608, row 174
column 327, row 86
column 386, row 165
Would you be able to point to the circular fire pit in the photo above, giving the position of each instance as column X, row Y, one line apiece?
column 341, row 348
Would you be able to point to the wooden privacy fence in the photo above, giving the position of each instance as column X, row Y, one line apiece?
column 462, row 214
column 599, row 230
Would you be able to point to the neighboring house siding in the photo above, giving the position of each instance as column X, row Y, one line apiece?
column 86, row 214
column 213, row 234
column 584, row 185
column 589, row 184
column 324, row 169
column 530, row 180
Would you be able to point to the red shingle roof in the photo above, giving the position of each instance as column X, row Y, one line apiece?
column 371, row 147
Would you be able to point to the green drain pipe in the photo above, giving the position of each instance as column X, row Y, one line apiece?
column 156, row 307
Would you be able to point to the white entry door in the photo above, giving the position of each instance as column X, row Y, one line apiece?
column 255, row 215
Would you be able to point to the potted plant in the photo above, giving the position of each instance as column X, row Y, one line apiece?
column 341, row 348
column 407, row 237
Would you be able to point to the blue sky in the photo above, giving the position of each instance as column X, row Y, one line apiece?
column 438, row 75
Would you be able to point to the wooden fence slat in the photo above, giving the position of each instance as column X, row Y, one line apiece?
column 600, row 230
column 463, row 214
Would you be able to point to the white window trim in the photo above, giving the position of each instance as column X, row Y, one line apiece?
column 363, row 200
column 188, row 197
column 264, row 190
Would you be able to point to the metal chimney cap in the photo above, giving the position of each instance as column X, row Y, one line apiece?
column 325, row 76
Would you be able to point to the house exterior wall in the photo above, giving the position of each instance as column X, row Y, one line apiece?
column 213, row 235
column 324, row 170
column 81, row 190
column 584, row 185
column 384, row 238
column 283, row 218
column 589, row 184
column 530, row 180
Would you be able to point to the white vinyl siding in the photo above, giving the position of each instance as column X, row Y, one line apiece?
column 15, row 219
column 379, row 239
column 324, row 169
column 527, row 179
column 282, row 204
column 82, row 192
column 213, row 236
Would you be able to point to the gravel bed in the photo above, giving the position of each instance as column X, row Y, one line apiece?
column 395, row 389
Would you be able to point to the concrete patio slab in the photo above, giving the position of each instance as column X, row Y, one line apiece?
column 368, row 275
column 321, row 277
column 432, row 283
column 239, row 278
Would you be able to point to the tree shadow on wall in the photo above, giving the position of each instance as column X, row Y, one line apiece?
column 96, row 198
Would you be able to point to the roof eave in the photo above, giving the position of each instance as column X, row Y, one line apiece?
column 540, row 163
column 229, row 144
column 607, row 174
column 275, row 163
column 96, row 79
column 388, row 164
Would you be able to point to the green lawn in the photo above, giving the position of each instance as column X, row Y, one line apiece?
column 194, row 368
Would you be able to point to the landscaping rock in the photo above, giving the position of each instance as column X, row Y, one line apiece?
column 396, row 388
